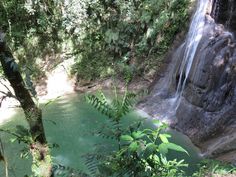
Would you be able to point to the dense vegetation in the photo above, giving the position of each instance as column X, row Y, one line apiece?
column 104, row 38
column 125, row 38
column 141, row 151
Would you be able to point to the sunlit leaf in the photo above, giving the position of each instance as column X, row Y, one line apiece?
column 176, row 147
column 164, row 138
column 126, row 138
column 138, row 134
column 133, row 146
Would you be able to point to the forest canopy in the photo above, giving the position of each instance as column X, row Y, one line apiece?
column 104, row 37
column 125, row 39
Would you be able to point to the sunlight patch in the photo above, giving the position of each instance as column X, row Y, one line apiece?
column 6, row 115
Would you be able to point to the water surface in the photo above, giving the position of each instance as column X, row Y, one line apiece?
column 71, row 123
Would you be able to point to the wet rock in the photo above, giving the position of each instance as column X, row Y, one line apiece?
column 209, row 100
column 224, row 12
column 206, row 108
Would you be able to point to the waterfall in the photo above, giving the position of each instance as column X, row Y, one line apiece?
column 197, row 93
column 193, row 38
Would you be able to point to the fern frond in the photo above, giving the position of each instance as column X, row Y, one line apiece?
column 91, row 161
column 127, row 103
column 125, row 172
column 106, row 135
column 114, row 110
column 100, row 104
column 59, row 170
column 135, row 126
column 103, row 98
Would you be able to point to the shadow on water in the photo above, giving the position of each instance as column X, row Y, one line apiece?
column 70, row 122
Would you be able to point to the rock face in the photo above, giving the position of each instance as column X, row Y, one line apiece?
column 224, row 12
column 204, row 91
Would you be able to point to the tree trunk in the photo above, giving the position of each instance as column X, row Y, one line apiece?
column 32, row 113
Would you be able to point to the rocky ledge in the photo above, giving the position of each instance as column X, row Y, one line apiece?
column 206, row 110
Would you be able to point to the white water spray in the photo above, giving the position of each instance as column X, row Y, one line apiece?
column 193, row 39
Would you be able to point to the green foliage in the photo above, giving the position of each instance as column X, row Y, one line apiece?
column 134, row 33
column 140, row 152
column 104, row 37
column 213, row 168
column 22, row 20
column 114, row 110
column 1, row 72
column 21, row 134
column 32, row 29
column 59, row 170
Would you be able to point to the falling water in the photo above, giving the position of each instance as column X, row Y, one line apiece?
column 197, row 92
column 193, row 39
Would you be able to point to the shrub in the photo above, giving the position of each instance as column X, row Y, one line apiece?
column 140, row 151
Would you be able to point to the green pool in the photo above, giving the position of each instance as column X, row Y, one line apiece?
column 71, row 122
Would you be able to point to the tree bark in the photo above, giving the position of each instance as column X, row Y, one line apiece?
column 32, row 113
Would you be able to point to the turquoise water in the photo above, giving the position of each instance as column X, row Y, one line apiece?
column 71, row 122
